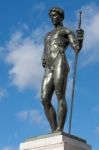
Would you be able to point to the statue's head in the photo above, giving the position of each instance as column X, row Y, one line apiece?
column 57, row 15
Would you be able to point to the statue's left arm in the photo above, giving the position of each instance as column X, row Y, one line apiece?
column 76, row 41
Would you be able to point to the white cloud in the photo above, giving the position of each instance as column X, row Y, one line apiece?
column 90, row 52
column 38, row 35
column 24, row 56
column 3, row 94
column 33, row 116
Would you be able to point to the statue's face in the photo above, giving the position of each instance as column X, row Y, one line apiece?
column 56, row 18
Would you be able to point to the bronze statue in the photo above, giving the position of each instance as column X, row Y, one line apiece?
column 56, row 67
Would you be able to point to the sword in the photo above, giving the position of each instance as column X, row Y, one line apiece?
column 74, row 79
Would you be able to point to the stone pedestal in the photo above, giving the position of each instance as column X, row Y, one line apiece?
column 55, row 141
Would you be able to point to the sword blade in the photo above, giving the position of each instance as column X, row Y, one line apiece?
column 73, row 91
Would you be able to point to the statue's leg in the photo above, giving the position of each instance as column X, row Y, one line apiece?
column 60, row 82
column 47, row 90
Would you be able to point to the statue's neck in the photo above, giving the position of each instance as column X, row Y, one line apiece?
column 58, row 26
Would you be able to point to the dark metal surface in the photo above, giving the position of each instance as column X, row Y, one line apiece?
column 56, row 69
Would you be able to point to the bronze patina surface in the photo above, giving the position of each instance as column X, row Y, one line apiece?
column 56, row 67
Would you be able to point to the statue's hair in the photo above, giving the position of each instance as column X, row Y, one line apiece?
column 58, row 10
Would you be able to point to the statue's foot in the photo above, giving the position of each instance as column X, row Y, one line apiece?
column 59, row 129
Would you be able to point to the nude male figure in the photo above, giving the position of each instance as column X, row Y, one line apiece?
column 56, row 68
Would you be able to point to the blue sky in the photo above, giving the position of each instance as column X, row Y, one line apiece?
column 22, row 28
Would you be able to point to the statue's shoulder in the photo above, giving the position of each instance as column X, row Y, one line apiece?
column 48, row 34
column 68, row 31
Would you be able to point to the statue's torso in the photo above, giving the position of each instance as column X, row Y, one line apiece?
column 56, row 43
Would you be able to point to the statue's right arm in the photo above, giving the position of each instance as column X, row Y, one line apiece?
column 43, row 57
column 43, row 61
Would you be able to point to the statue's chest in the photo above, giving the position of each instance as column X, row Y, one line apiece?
column 55, row 36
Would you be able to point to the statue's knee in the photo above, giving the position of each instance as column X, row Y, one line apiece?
column 43, row 97
column 42, row 101
column 59, row 95
column 46, row 104
column 45, row 101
